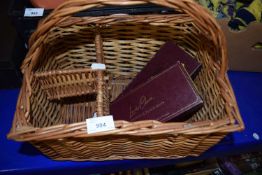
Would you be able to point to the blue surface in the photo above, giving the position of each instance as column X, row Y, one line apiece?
column 22, row 158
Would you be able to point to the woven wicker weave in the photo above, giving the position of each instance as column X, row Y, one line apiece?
column 125, row 43
column 68, row 83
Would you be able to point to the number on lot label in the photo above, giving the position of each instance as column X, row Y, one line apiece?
column 99, row 124
column 33, row 12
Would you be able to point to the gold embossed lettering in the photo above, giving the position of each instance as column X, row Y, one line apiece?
column 143, row 101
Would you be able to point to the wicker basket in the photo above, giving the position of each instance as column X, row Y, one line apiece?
column 125, row 43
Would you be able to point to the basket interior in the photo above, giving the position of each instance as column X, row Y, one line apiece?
column 127, row 46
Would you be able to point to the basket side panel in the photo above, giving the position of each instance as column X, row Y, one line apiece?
column 117, row 147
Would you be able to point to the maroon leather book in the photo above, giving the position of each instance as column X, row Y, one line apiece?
column 170, row 95
column 167, row 56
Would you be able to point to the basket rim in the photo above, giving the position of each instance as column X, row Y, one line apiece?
column 63, row 131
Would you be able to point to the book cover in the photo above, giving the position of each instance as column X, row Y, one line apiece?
column 168, row 55
column 170, row 95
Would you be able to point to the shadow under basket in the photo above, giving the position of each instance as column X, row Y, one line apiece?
column 125, row 44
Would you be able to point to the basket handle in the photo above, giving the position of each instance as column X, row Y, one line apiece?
column 200, row 15
column 100, row 74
